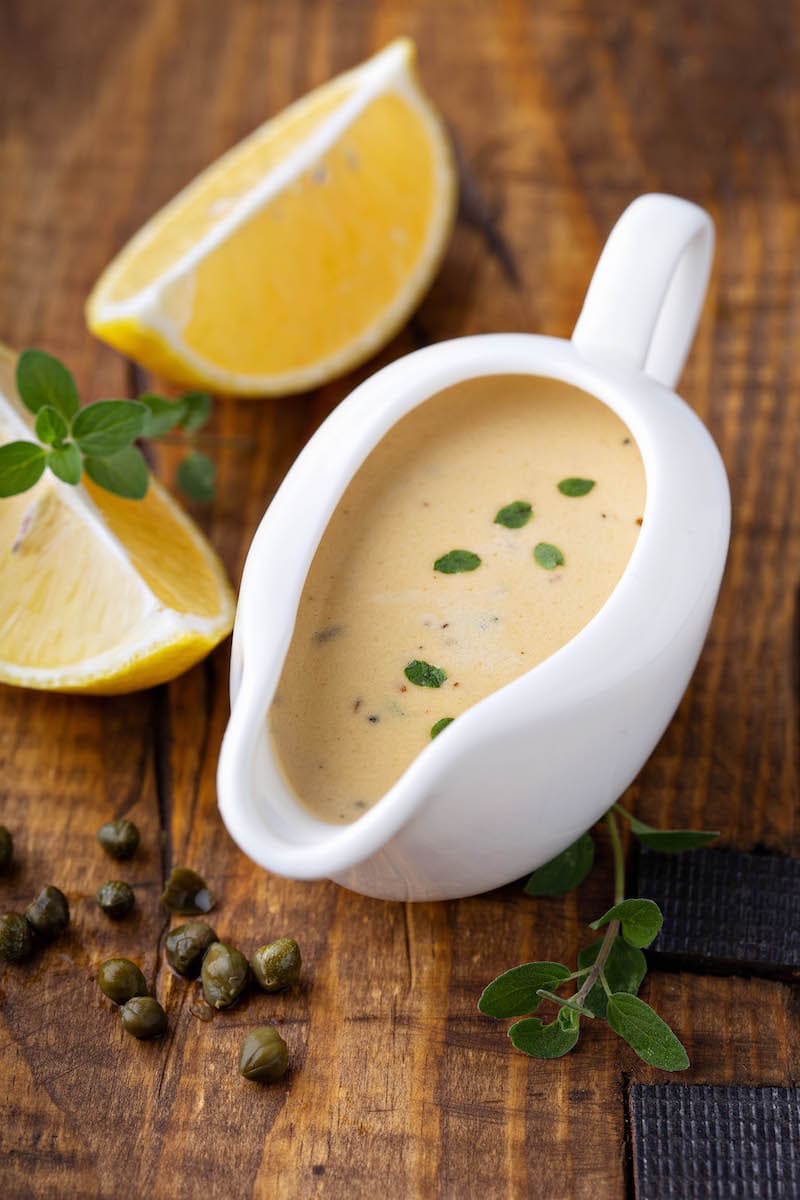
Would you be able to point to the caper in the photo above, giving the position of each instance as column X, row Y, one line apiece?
column 277, row 966
column 121, row 980
column 6, row 848
column 49, row 913
column 143, row 1017
column 16, row 937
column 186, row 892
column 116, row 898
column 186, row 945
column 263, row 1056
column 224, row 974
column 119, row 838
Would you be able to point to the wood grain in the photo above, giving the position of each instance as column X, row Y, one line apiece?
column 562, row 113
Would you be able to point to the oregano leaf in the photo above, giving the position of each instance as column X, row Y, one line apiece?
column 125, row 473
column 456, row 561
column 548, row 556
column 669, row 841
column 162, row 415
column 424, row 674
column 21, row 466
column 564, row 872
column 439, row 725
column 197, row 409
column 674, row 841
column 640, row 919
column 645, row 1032
column 50, row 426
column 104, row 428
column 513, row 994
column 514, row 515
column 43, row 380
column 65, row 463
column 625, row 968
column 533, row 1037
column 574, row 486
column 196, row 476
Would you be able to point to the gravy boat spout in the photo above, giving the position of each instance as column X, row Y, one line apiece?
column 523, row 772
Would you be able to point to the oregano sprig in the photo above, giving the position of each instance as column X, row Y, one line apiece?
column 610, row 971
column 100, row 439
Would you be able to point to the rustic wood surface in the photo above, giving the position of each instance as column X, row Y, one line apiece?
column 562, row 111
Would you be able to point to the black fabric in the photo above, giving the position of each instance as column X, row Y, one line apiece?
column 727, row 909
column 715, row 1143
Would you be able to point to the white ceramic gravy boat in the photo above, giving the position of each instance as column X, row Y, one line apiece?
column 521, row 774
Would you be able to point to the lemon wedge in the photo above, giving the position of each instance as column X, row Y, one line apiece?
column 100, row 594
column 298, row 253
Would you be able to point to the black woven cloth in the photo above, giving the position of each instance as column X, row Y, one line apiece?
column 727, row 908
column 715, row 1143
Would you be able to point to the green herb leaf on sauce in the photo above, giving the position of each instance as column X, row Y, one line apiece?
column 441, row 724
column 575, row 486
column 456, row 561
column 424, row 675
column 548, row 556
column 514, row 515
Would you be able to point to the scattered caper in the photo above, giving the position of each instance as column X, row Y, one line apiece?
column 119, row 838
column 224, row 974
column 16, row 938
column 263, row 1056
column 186, row 892
column 143, row 1017
column 116, row 898
column 277, row 966
column 185, row 946
column 121, row 980
column 49, row 913
column 6, row 848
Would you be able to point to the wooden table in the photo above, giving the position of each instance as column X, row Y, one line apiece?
column 562, row 112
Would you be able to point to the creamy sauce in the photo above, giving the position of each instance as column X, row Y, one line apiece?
column 347, row 720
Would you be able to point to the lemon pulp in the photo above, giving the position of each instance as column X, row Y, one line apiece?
column 300, row 251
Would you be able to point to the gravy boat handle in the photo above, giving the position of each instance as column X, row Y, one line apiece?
column 644, row 300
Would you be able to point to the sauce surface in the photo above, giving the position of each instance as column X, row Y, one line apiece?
column 347, row 719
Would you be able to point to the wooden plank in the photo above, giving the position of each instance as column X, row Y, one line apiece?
column 562, row 114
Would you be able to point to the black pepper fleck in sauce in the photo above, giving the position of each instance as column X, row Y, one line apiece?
column 327, row 635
